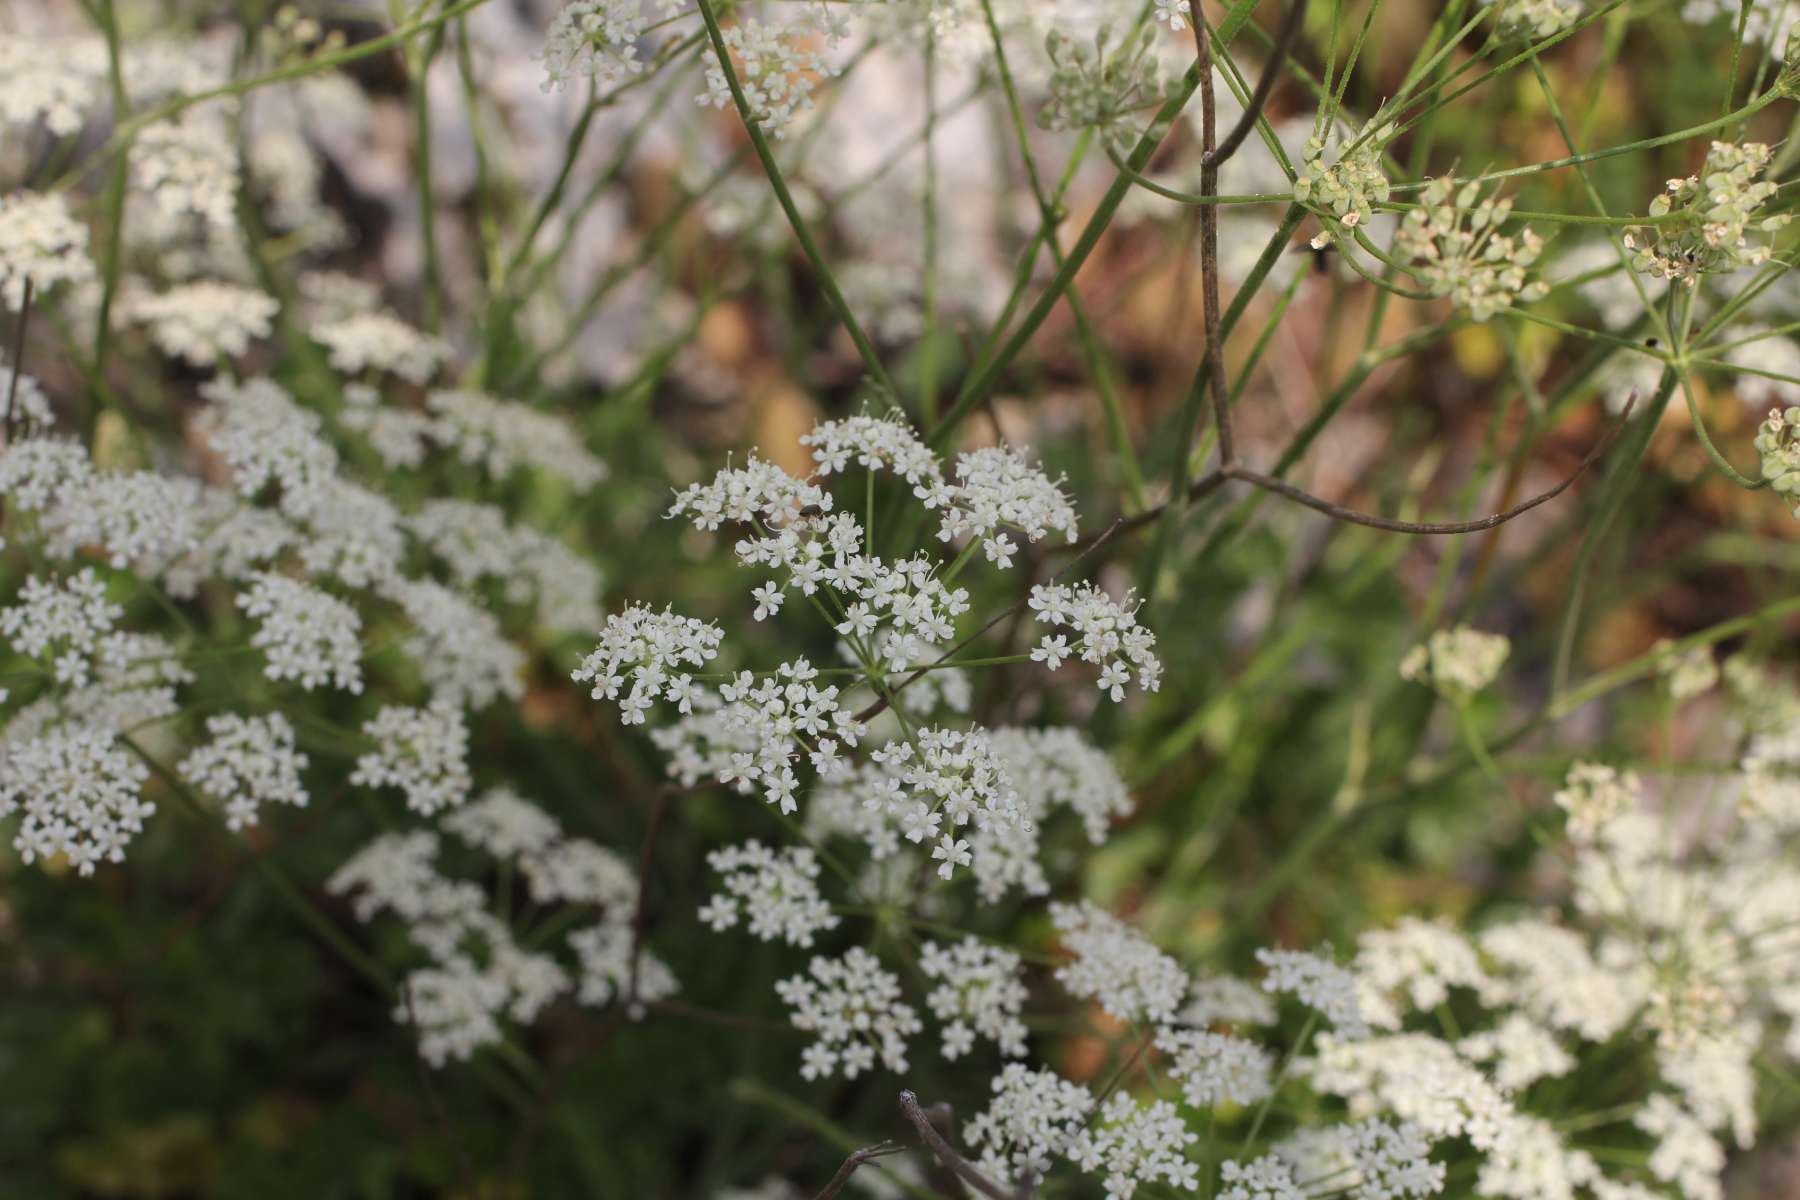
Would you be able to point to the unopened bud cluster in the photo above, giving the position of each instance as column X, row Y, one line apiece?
column 1097, row 86
column 1454, row 243
column 1779, row 444
column 1714, row 215
column 1534, row 20
column 1345, row 181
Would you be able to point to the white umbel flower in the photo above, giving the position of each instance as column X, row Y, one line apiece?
column 61, row 624
column 307, row 635
column 1217, row 1068
column 76, row 789
column 267, row 438
column 1134, row 1144
column 594, row 40
column 777, row 890
column 422, row 751
column 1031, row 1122
column 504, row 824
column 379, row 341
column 1116, row 965
column 204, row 322
column 978, row 994
column 1318, row 983
column 1108, row 635
column 40, row 243
column 247, row 763
column 656, row 649
column 1456, row 662
column 504, row 436
column 457, row 645
column 853, row 1009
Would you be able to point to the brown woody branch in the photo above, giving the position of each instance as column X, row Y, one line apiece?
column 855, row 1160
column 946, row 1154
column 1259, row 96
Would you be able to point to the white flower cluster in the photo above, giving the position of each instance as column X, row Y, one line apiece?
column 188, row 169
column 204, row 322
column 1715, row 213
column 655, row 648
column 1217, row 1068
column 1594, row 796
column 776, row 67
column 1107, row 635
column 996, row 489
column 978, row 994
column 1457, row 663
column 53, row 79
column 1135, row 1144
column 952, row 780
column 1533, row 20
column 1372, row 1159
column 750, row 733
column 76, row 788
column 266, row 438
column 1419, row 960
column 777, row 890
column 875, row 443
column 1454, row 246
column 1096, row 85
column 457, row 645
column 1116, row 965
column 1227, row 1000
column 379, row 341
column 854, row 1010
column 1062, row 767
column 478, row 973
column 247, row 763
column 61, row 624
column 307, row 635
column 504, row 436
column 1320, row 984
column 594, row 40
column 1031, row 1122
column 1686, row 673
column 40, row 243
column 422, row 751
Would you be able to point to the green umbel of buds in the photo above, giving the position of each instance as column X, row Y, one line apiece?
column 1714, row 224
column 1779, row 444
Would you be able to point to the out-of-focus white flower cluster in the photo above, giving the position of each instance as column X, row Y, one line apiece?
column 1457, row 662
column 477, row 975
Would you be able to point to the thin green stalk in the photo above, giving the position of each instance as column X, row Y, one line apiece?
column 1627, row 464
column 827, row 281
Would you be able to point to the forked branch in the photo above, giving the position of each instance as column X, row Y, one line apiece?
column 953, row 1162
column 855, row 1160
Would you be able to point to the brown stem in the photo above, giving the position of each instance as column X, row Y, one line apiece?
column 946, row 1154
column 1214, row 362
column 850, row 1164
column 1259, row 98
column 1219, row 476
column 1340, row 513
column 645, row 863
